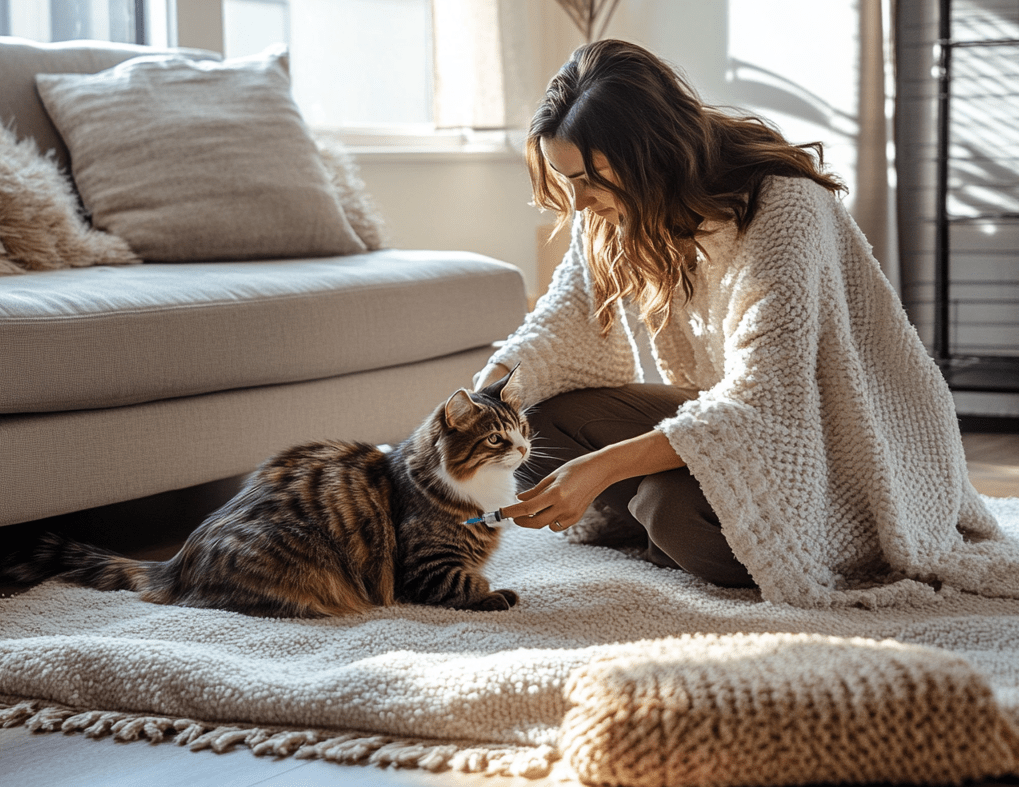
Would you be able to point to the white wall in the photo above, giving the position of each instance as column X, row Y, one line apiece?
column 472, row 202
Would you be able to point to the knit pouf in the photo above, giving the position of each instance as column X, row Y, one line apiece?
column 779, row 709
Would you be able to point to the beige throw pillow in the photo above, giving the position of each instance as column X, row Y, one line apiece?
column 198, row 160
column 41, row 227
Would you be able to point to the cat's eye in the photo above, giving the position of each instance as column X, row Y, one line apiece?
column 494, row 439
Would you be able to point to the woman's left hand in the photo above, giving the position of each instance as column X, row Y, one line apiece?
column 561, row 498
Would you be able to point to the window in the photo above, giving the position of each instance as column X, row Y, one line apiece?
column 354, row 63
column 364, row 66
column 64, row 20
column 249, row 26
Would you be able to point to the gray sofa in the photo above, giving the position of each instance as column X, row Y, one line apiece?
column 120, row 382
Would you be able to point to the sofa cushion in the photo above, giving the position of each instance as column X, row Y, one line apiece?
column 21, row 60
column 101, row 337
column 199, row 160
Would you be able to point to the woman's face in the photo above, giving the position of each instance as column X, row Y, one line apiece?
column 567, row 160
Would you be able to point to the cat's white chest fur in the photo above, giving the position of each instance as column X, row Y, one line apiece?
column 491, row 487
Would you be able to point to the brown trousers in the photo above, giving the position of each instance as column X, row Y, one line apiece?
column 666, row 511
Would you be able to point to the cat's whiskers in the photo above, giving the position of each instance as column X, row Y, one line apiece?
column 536, row 454
column 538, row 451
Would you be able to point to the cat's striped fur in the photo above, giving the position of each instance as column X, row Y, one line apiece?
column 330, row 528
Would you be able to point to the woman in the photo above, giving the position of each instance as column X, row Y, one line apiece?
column 804, row 441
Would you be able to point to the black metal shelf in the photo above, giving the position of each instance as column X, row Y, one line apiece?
column 981, row 373
column 983, row 217
column 988, row 42
column 996, row 370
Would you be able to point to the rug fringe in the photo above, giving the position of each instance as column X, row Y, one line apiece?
column 284, row 744
column 16, row 714
column 349, row 748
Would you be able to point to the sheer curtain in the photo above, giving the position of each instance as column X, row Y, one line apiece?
column 485, row 62
column 876, row 183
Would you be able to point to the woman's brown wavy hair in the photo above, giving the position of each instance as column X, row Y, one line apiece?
column 678, row 163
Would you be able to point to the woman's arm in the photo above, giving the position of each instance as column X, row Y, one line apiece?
column 488, row 375
column 564, row 494
column 559, row 346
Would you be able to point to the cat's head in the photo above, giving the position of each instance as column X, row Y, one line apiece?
column 483, row 438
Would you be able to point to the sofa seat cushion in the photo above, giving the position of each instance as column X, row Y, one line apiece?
column 110, row 336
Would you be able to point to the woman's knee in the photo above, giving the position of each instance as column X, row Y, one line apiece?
column 596, row 417
column 548, row 416
column 569, row 413
column 670, row 502
column 552, row 425
column 681, row 523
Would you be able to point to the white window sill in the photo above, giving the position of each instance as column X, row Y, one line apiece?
column 413, row 145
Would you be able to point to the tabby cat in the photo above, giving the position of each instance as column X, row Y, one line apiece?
column 330, row 528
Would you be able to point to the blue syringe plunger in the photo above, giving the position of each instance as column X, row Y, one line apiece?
column 491, row 518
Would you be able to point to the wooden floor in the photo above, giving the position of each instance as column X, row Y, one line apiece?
column 993, row 462
column 56, row 760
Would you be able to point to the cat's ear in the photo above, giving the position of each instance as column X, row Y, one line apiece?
column 511, row 393
column 459, row 408
column 505, row 389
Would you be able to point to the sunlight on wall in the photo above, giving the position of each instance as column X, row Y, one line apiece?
column 800, row 73
column 984, row 116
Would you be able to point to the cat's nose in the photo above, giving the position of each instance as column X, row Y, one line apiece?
column 522, row 449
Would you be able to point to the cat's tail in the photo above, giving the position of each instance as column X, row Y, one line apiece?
column 81, row 564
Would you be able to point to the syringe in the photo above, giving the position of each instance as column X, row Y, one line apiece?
column 491, row 518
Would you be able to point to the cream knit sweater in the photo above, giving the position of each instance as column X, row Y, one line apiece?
column 824, row 436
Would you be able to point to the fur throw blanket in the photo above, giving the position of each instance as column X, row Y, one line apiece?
column 42, row 226
column 824, row 437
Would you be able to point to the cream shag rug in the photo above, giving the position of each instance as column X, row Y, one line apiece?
column 610, row 669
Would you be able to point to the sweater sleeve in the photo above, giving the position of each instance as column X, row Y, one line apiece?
column 755, row 441
column 559, row 346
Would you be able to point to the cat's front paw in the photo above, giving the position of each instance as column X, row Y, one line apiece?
column 511, row 597
column 496, row 600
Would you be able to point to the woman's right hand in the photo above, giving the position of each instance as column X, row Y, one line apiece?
column 561, row 498
column 488, row 375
